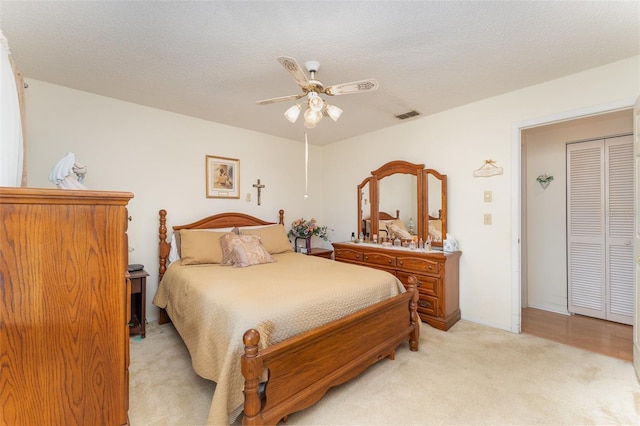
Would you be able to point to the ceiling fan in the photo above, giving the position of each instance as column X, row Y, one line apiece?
column 316, row 107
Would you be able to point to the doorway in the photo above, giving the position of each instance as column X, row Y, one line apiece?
column 543, row 272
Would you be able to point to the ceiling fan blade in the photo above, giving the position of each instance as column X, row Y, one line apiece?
column 280, row 99
column 294, row 69
column 353, row 87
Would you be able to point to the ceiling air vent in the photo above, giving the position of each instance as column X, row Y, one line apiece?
column 407, row 115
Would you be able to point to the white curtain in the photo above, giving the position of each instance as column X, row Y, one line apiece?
column 11, row 146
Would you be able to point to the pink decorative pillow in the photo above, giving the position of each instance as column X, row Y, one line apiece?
column 243, row 250
column 398, row 232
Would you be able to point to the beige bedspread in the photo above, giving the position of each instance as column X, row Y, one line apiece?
column 212, row 306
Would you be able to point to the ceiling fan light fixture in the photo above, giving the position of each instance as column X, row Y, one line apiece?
column 334, row 112
column 315, row 107
column 315, row 102
column 292, row 113
column 312, row 117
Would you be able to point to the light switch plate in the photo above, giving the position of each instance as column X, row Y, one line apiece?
column 487, row 218
column 488, row 196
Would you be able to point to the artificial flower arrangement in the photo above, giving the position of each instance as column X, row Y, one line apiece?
column 301, row 228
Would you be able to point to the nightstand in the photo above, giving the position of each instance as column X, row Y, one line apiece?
column 138, row 302
column 320, row 252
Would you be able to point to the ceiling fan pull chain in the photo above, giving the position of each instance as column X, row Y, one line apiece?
column 306, row 165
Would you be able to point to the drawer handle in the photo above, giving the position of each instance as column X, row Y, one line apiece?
column 401, row 263
column 424, row 304
column 390, row 262
column 430, row 267
column 366, row 258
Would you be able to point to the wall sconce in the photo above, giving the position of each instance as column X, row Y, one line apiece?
column 544, row 180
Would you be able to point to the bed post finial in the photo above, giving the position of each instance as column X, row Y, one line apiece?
column 163, row 246
column 414, row 337
column 251, row 370
column 281, row 217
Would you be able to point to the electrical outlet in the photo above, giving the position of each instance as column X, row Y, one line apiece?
column 488, row 196
column 487, row 218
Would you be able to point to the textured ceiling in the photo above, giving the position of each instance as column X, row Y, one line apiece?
column 214, row 59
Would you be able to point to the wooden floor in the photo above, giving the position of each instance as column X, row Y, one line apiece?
column 605, row 337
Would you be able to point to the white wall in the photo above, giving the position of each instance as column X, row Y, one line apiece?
column 160, row 157
column 546, row 223
column 456, row 142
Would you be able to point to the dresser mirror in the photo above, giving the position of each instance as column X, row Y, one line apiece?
column 436, row 206
column 364, row 206
column 404, row 199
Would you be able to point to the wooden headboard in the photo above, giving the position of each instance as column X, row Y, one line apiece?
column 387, row 216
column 436, row 218
column 221, row 220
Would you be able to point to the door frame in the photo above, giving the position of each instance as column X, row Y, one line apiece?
column 518, row 246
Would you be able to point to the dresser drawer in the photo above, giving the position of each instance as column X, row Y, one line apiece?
column 427, row 305
column 419, row 264
column 380, row 259
column 347, row 254
column 426, row 284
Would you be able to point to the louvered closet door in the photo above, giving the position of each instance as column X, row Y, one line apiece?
column 585, row 228
column 600, row 228
column 619, row 227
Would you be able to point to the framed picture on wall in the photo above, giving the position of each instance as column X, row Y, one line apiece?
column 223, row 177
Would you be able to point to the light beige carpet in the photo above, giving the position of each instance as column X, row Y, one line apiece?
column 470, row 375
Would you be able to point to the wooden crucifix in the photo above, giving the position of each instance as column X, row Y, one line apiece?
column 259, row 187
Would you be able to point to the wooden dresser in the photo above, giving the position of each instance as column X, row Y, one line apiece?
column 64, row 313
column 437, row 274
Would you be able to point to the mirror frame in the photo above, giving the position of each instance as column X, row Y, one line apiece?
column 443, row 202
column 422, row 196
column 364, row 183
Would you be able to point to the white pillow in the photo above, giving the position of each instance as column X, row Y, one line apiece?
column 173, row 253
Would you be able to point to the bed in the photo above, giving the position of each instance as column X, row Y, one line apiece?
column 272, row 360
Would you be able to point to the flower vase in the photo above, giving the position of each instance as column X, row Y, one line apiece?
column 307, row 245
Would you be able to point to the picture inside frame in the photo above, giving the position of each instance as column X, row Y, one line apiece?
column 223, row 177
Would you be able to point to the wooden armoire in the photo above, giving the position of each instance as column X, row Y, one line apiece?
column 64, row 338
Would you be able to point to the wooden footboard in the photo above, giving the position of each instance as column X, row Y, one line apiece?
column 301, row 369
